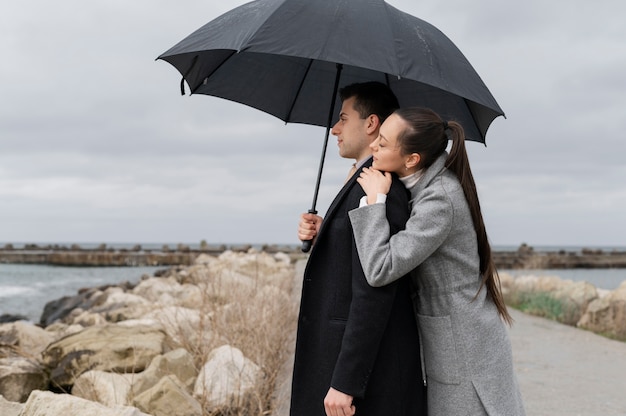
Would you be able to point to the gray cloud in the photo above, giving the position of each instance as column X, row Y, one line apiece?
column 98, row 145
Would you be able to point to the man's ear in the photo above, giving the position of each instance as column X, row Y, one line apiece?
column 373, row 123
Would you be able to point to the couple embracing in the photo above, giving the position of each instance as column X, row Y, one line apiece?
column 401, row 311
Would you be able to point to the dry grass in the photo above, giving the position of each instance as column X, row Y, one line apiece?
column 254, row 314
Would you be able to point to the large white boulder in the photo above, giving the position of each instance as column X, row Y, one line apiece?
column 111, row 347
column 45, row 403
column 227, row 379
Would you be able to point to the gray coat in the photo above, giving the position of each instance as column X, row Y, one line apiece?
column 466, row 349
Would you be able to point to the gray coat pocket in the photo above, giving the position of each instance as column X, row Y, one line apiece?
column 440, row 356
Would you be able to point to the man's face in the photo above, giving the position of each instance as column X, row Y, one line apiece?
column 351, row 132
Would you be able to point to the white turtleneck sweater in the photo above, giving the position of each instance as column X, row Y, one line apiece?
column 409, row 181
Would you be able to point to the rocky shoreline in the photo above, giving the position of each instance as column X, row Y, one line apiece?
column 525, row 257
column 209, row 338
column 204, row 339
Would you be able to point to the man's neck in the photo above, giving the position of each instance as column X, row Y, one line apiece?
column 358, row 163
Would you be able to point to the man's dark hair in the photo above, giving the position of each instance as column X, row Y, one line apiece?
column 371, row 98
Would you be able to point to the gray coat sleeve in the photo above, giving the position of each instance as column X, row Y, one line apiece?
column 386, row 259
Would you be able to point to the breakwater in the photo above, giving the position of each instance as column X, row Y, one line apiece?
column 525, row 257
column 103, row 256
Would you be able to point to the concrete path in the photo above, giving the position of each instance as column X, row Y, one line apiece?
column 562, row 370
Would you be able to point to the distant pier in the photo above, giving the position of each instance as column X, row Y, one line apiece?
column 103, row 256
column 525, row 257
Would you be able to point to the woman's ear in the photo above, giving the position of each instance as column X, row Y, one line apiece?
column 413, row 160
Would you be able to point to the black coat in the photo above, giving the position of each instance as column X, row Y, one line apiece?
column 360, row 340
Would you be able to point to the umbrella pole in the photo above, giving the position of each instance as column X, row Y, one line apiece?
column 306, row 245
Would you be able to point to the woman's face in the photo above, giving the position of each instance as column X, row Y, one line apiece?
column 386, row 150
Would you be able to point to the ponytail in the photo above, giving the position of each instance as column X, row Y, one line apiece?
column 458, row 163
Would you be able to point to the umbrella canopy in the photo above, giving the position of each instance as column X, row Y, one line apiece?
column 280, row 57
column 288, row 58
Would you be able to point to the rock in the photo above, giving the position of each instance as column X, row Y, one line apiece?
column 7, row 317
column 574, row 297
column 204, row 259
column 45, row 403
column 109, row 389
column 182, row 325
column 178, row 362
column 598, row 317
column 282, row 257
column 168, row 397
column 8, row 408
column 117, row 306
column 19, row 377
column 168, row 292
column 29, row 339
column 85, row 318
column 60, row 330
column 263, row 267
column 607, row 315
column 116, row 298
column 59, row 309
column 116, row 348
column 228, row 379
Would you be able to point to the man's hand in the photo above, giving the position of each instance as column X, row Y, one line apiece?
column 374, row 182
column 309, row 226
column 337, row 403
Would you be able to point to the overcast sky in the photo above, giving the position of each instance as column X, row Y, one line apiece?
column 97, row 144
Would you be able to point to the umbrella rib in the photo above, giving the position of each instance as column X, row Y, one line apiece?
column 182, row 81
column 295, row 98
column 387, row 80
column 193, row 90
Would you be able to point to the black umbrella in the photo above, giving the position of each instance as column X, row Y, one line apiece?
column 289, row 57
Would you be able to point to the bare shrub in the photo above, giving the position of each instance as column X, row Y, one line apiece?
column 253, row 312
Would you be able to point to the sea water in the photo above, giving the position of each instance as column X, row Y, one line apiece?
column 26, row 288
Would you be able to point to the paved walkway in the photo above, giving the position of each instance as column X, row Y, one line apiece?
column 562, row 370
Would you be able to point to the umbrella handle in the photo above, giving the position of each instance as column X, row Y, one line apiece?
column 306, row 245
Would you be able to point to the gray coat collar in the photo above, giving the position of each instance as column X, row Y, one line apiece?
column 434, row 170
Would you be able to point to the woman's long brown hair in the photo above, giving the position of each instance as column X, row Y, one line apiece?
column 427, row 135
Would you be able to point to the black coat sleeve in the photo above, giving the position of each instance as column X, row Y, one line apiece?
column 370, row 309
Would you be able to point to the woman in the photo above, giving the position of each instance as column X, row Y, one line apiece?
column 459, row 306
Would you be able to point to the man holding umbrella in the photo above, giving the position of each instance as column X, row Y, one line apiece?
column 357, row 347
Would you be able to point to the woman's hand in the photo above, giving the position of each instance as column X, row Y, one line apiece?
column 374, row 182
